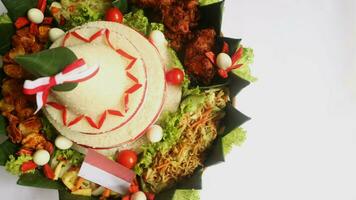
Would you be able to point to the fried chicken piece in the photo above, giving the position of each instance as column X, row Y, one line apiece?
column 30, row 125
column 180, row 17
column 12, row 87
column 6, row 107
column 43, row 33
column 34, row 141
column 197, row 64
column 14, row 133
column 14, row 71
column 17, row 51
column 201, row 69
column 203, row 42
column 155, row 4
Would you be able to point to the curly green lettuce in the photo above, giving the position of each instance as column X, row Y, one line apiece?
column 186, row 195
column 5, row 19
column 13, row 165
column 234, row 138
column 138, row 21
column 78, row 12
column 74, row 157
column 246, row 60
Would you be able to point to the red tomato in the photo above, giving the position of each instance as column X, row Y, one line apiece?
column 127, row 158
column 175, row 76
column 114, row 15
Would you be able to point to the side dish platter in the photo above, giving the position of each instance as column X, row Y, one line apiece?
column 120, row 99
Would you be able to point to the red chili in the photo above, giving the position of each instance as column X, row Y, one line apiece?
column 223, row 73
column 42, row 5
column 49, row 147
column 62, row 21
column 127, row 197
column 48, row 172
column 34, row 28
column 150, row 196
column 27, row 152
column 237, row 55
column 134, row 188
column 47, row 20
column 225, row 48
column 28, row 166
column 21, row 22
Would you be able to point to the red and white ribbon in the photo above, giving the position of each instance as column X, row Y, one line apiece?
column 76, row 72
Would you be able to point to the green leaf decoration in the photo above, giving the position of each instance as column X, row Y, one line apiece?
column 233, row 118
column 38, row 180
column 235, row 138
column 211, row 16
column 122, row 5
column 48, row 63
column 232, row 42
column 65, row 195
column 18, row 8
column 6, row 31
column 7, row 148
column 236, row 84
column 3, row 124
column 216, row 154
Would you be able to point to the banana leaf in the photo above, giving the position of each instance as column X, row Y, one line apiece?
column 18, row 8
column 65, row 195
column 7, row 148
column 38, row 180
column 6, row 31
column 3, row 124
column 211, row 16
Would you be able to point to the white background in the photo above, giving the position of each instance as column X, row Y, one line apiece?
column 302, row 139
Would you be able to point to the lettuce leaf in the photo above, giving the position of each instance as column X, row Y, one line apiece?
column 245, row 71
column 208, row 2
column 235, row 138
column 13, row 165
column 74, row 157
column 186, row 195
column 78, row 12
column 137, row 20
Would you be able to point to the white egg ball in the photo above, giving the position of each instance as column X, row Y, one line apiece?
column 154, row 133
column 55, row 33
column 138, row 196
column 223, row 61
column 41, row 157
column 157, row 37
column 63, row 143
column 35, row 15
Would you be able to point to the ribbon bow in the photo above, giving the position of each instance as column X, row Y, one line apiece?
column 73, row 73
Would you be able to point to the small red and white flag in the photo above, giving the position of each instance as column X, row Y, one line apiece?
column 99, row 169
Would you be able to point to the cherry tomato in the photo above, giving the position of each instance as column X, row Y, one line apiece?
column 114, row 15
column 175, row 76
column 127, row 158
